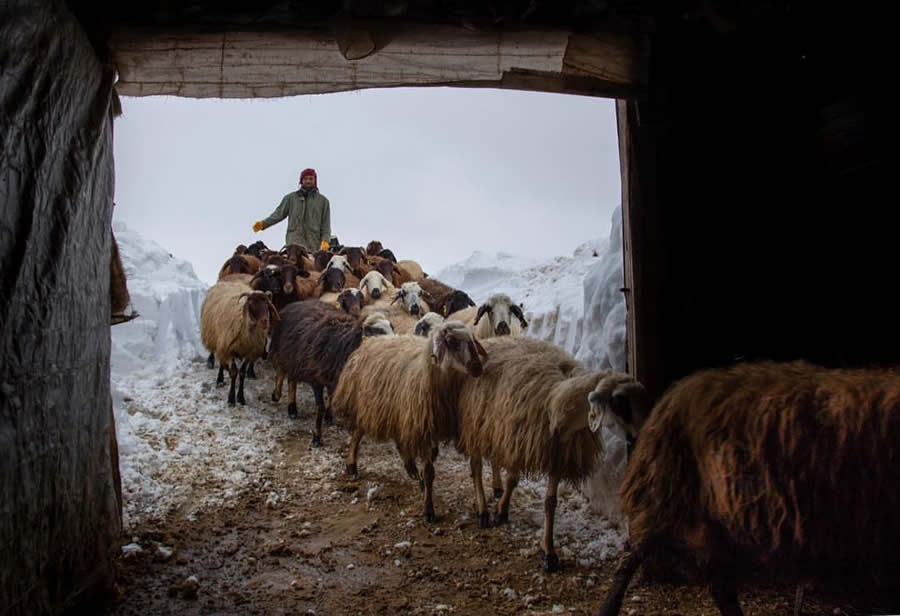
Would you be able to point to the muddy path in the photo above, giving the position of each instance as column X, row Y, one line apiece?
column 304, row 539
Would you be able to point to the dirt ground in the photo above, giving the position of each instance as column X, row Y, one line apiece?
column 308, row 541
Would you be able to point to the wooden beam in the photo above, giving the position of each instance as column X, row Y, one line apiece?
column 201, row 62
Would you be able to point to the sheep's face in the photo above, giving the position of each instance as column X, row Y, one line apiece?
column 619, row 404
column 332, row 280
column 426, row 324
column 458, row 300
column 257, row 309
column 500, row 310
column 377, row 325
column 454, row 347
column 373, row 285
column 293, row 253
column 268, row 279
column 374, row 247
column 236, row 264
column 410, row 294
column 350, row 301
column 385, row 268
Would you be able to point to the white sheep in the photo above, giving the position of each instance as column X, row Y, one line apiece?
column 402, row 388
column 500, row 310
column 376, row 289
column 427, row 324
column 235, row 323
column 406, row 307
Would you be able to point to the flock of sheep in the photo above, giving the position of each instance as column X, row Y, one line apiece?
column 789, row 465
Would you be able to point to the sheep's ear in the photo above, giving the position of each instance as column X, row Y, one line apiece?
column 397, row 296
column 273, row 311
column 517, row 312
column 439, row 347
column 481, row 310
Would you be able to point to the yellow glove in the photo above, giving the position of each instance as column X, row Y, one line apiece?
column 257, row 226
column 323, row 245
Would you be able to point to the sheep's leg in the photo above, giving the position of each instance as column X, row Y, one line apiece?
column 240, row 396
column 279, row 382
column 352, row 450
column 623, row 576
column 211, row 361
column 292, row 398
column 251, row 374
column 496, row 480
column 501, row 516
column 551, row 560
column 329, row 418
column 409, row 465
column 220, row 379
column 429, row 482
column 232, row 372
column 320, row 413
column 484, row 520
column 723, row 587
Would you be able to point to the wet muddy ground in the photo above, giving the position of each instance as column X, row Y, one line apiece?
column 302, row 538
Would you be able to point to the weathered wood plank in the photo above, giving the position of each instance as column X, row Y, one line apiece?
column 278, row 62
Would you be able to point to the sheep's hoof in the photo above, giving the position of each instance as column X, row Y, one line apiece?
column 240, row 399
column 210, row 362
column 484, row 520
column 275, row 398
column 498, row 493
column 413, row 472
column 329, row 418
column 352, row 471
column 501, row 518
column 292, row 409
column 550, row 562
column 220, row 383
column 316, row 441
column 251, row 373
column 230, row 401
column 429, row 515
column 421, row 486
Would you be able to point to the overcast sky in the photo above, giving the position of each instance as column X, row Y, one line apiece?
column 433, row 173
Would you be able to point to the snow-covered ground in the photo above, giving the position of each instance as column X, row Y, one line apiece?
column 183, row 450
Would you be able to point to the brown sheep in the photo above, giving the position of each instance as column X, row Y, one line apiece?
column 529, row 413
column 402, row 388
column 240, row 264
column 444, row 299
column 785, row 465
column 374, row 247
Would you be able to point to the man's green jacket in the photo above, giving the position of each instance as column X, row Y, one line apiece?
column 309, row 219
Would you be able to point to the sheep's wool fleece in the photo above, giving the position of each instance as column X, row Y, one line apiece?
column 222, row 326
column 529, row 392
column 792, row 460
column 391, row 390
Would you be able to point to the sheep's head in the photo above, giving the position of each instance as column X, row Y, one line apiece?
column 500, row 310
column 350, row 301
column 267, row 280
column 289, row 273
column 293, row 253
column 426, row 324
column 454, row 346
column 385, row 267
column 236, row 264
column 377, row 325
column 321, row 259
column 331, row 280
column 339, row 262
column 374, row 285
column 355, row 256
column 618, row 403
column 257, row 309
column 458, row 300
column 374, row 247
column 411, row 295
column 256, row 249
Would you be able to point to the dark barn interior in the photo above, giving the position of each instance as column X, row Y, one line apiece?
column 757, row 219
